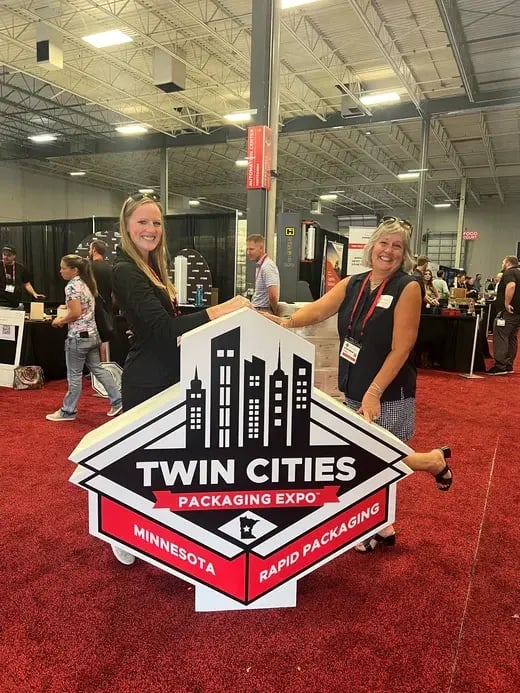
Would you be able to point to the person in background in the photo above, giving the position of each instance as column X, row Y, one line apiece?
column 14, row 277
column 477, row 283
column 267, row 278
column 442, row 288
column 507, row 320
column 102, row 271
column 82, row 343
column 378, row 320
column 419, row 268
column 147, row 299
column 431, row 297
column 460, row 281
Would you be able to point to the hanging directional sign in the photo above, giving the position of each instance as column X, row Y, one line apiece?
column 242, row 478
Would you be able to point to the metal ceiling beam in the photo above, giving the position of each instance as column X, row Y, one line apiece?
column 453, row 24
column 490, row 155
column 373, row 22
column 303, row 31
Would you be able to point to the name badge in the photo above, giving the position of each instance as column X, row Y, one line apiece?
column 350, row 350
column 501, row 322
column 385, row 301
column 9, row 288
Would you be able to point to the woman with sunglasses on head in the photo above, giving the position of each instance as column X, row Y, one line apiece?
column 82, row 343
column 148, row 301
column 378, row 320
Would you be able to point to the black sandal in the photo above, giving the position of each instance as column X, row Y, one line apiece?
column 370, row 544
column 443, row 483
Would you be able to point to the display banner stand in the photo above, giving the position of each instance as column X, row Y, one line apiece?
column 472, row 375
column 243, row 477
column 12, row 324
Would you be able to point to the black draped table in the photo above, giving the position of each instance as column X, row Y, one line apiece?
column 448, row 341
column 42, row 345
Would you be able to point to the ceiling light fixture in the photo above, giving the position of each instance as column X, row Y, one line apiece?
column 194, row 203
column 442, row 205
column 375, row 99
column 77, row 173
column 416, row 170
column 328, row 197
column 240, row 214
column 286, row 4
column 115, row 37
column 241, row 163
column 408, row 176
column 240, row 116
column 146, row 191
column 132, row 129
column 43, row 138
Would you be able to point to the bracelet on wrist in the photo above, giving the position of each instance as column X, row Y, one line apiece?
column 375, row 386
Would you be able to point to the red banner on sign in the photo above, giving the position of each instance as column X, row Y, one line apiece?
column 266, row 573
column 222, row 500
column 259, row 157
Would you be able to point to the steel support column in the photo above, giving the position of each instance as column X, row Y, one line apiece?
column 264, row 97
column 163, row 179
column 421, row 190
column 460, row 222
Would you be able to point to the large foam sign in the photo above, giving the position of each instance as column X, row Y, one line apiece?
column 243, row 477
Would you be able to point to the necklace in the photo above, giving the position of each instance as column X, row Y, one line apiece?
column 375, row 284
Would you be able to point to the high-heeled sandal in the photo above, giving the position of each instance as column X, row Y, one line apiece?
column 371, row 543
column 443, row 483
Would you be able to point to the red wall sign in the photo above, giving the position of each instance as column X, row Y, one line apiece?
column 469, row 235
column 259, row 157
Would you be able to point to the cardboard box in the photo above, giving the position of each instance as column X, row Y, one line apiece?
column 326, row 351
column 36, row 312
column 326, row 379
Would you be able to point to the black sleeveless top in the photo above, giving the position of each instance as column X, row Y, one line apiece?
column 376, row 341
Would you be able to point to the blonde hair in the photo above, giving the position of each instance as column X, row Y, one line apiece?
column 159, row 256
column 391, row 226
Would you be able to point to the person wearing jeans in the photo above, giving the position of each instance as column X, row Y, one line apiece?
column 82, row 343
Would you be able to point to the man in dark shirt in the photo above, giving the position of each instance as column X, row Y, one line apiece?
column 507, row 321
column 102, row 272
column 14, row 277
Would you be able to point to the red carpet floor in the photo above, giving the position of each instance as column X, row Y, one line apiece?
column 439, row 613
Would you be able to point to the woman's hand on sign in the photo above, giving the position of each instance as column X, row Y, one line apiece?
column 370, row 406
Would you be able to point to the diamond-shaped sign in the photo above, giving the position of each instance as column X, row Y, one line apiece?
column 243, row 477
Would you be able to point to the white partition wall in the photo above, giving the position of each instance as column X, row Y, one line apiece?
column 9, row 321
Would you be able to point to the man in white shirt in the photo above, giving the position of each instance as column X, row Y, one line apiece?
column 442, row 287
column 267, row 277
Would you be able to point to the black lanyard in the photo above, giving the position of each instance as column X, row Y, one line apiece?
column 372, row 307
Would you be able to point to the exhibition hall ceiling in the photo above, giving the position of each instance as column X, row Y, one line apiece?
column 455, row 61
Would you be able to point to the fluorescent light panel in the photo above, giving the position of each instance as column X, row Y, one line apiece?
column 43, row 138
column 329, row 197
column 241, row 163
column 77, row 173
column 286, row 4
column 107, row 38
column 442, row 205
column 194, row 203
column 375, row 99
column 240, row 116
column 146, row 191
column 133, row 129
column 408, row 176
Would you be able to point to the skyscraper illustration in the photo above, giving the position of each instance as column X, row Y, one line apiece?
column 225, row 386
column 195, row 413
column 301, row 400
column 254, row 403
column 278, row 391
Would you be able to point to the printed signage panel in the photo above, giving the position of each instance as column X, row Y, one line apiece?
column 243, row 477
column 358, row 237
column 259, row 157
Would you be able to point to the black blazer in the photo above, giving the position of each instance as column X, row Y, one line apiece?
column 153, row 361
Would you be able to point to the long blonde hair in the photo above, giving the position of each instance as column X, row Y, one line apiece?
column 159, row 256
column 390, row 226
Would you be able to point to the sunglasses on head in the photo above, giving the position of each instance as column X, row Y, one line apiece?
column 136, row 196
column 404, row 222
